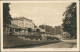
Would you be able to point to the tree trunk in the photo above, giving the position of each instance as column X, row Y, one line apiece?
column 5, row 31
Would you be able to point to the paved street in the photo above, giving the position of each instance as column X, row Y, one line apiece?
column 64, row 44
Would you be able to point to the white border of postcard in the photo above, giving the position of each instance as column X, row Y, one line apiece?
column 40, row 49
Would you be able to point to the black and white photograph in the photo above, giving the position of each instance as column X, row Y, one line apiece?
column 40, row 25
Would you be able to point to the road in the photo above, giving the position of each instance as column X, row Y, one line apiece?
column 64, row 44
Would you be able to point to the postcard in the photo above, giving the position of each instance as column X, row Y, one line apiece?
column 40, row 25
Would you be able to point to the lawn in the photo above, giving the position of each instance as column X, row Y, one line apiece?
column 12, row 41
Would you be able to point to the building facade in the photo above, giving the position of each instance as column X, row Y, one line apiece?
column 20, row 26
column 23, row 22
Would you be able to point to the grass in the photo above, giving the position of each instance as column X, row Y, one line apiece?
column 12, row 41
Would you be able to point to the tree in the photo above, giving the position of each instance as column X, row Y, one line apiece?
column 29, row 29
column 47, row 28
column 37, row 30
column 6, row 17
column 69, row 22
column 58, row 30
column 42, row 26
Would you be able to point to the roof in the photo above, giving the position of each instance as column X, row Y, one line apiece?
column 14, row 26
column 19, row 18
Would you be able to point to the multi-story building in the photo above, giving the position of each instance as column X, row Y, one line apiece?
column 20, row 25
column 23, row 22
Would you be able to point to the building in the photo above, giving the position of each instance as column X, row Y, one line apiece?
column 23, row 26
column 23, row 22
column 20, row 25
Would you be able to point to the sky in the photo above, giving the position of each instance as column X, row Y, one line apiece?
column 41, row 13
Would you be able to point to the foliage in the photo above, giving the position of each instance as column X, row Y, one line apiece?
column 37, row 30
column 56, row 30
column 47, row 28
column 29, row 30
column 6, row 15
column 69, row 22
